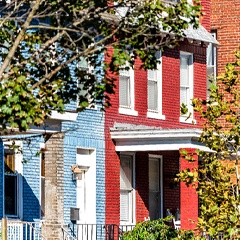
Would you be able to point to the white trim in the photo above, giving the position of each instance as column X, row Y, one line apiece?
column 146, row 146
column 184, row 119
column 133, row 210
column 191, row 86
column 129, row 110
column 157, row 113
column 141, row 139
column 66, row 116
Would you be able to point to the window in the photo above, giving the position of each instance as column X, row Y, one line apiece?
column 126, row 91
column 83, row 65
column 127, row 203
column 186, row 84
column 211, row 63
column 155, row 91
column 12, row 182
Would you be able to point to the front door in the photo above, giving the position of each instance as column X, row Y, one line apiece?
column 155, row 187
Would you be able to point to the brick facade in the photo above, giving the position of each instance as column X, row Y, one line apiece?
column 54, row 185
column 171, row 110
column 225, row 21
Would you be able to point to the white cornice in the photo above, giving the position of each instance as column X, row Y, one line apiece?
column 129, row 137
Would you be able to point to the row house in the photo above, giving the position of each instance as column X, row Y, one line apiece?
column 117, row 167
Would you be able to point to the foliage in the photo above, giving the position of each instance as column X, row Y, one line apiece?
column 217, row 178
column 42, row 42
column 157, row 230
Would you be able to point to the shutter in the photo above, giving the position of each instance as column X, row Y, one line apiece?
column 124, row 91
column 124, row 206
column 152, row 95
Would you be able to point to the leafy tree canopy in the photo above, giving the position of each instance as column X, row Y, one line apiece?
column 42, row 40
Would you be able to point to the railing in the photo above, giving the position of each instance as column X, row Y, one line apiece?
column 67, row 235
column 18, row 230
column 97, row 231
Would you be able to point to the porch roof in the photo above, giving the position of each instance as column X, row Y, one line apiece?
column 130, row 137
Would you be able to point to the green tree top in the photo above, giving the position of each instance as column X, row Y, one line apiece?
column 42, row 40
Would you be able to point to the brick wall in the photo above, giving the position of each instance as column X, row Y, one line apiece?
column 54, row 185
column 86, row 132
column 171, row 109
column 31, row 179
column 225, row 17
column 188, row 195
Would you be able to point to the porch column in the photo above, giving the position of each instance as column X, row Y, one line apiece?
column 188, row 195
column 54, row 185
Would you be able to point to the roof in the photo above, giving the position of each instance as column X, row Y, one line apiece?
column 200, row 34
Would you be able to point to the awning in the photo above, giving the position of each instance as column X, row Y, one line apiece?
column 132, row 138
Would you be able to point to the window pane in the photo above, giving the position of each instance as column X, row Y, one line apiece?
column 184, row 70
column 152, row 95
column 124, row 91
column 10, row 195
column 184, row 98
column 126, row 172
column 124, row 206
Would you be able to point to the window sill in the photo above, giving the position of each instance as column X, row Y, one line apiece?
column 127, row 111
column 183, row 119
column 156, row 115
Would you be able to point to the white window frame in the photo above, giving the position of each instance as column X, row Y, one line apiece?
column 128, row 110
column 213, row 58
column 132, row 205
column 183, row 118
column 157, row 113
column 19, row 172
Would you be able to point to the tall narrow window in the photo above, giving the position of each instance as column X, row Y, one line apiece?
column 126, row 91
column 155, row 91
column 211, row 63
column 12, row 183
column 186, row 83
column 126, row 189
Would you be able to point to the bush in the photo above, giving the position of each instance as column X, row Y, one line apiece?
column 156, row 230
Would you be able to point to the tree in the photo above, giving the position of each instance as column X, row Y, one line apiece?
column 217, row 179
column 42, row 42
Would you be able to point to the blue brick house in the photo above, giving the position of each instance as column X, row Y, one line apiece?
column 38, row 180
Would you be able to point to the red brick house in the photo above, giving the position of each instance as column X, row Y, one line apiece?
column 144, row 133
